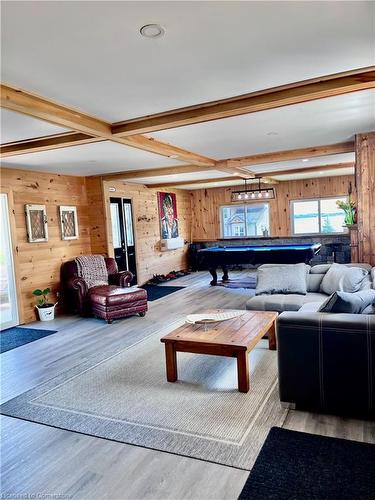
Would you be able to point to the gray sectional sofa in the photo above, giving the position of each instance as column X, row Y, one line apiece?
column 294, row 302
column 326, row 361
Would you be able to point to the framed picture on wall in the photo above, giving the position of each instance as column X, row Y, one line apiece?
column 36, row 223
column 69, row 223
column 168, row 215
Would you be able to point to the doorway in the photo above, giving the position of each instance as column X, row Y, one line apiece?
column 123, row 235
column 8, row 294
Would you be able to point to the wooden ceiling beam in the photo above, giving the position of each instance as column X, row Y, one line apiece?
column 276, row 97
column 319, row 168
column 153, row 172
column 29, row 104
column 264, row 180
column 197, row 181
column 292, row 154
column 24, row 102
column 46, row 143
column 266, row 177
column 162, row 148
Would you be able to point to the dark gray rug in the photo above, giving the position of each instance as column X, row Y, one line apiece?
column 17, row 336
column 296, row 465
column 124, row 396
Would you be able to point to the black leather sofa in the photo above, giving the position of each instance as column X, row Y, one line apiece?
column 327, row 362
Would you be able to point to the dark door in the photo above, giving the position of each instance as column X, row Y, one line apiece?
column 123, row 235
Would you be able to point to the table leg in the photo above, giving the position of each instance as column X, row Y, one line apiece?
column 225, row 273
column 214, row 276
column 243, row 371
column 272, row 337
column 171, row 362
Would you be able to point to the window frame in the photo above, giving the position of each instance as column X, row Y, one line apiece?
column 255, row 202
column 320, row 233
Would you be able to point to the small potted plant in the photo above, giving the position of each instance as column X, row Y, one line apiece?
column 350, row 211
column 46, row 310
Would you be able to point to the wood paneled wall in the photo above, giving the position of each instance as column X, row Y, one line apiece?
column 365, row 180
column 97, row 215
column 150, row 260
column 206, row 203
column 38, row 264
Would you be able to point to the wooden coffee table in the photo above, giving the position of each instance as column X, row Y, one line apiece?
column 233, row 338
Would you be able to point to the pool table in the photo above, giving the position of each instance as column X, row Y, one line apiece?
column 224, row 256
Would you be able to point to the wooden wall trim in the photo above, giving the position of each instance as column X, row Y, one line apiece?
column 365, row 182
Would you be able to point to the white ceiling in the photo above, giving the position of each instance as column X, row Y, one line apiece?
column 16, row 127
column 89, row 159
column 90, row 55
column 326, row 121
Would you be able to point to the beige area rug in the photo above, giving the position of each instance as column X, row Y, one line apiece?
column 125, row 397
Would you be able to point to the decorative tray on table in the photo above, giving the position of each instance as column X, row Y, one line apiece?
column 214, row 317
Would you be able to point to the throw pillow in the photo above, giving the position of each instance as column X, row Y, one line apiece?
column 281, row 279
column 342, row 278
column 353, row 303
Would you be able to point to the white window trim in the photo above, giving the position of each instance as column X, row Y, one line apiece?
column 40, row 208
column 320, row 233
column 256, row 202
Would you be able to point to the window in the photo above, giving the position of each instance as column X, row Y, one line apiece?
column 317, row 216
column 241, row 221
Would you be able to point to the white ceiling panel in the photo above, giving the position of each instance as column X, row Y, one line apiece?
column 315, row 123
column 17, row 127
column 312, row 162
column 89, row 159
column 90, row 55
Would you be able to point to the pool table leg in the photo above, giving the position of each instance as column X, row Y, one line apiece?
column 213, row 273
column 225, row 273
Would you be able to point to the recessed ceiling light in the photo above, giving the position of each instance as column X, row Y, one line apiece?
column 272, row 133
column 305, row 159
column 152, row 31
column 173, row 156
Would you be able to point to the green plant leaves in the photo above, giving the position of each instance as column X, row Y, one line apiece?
column 37, row 292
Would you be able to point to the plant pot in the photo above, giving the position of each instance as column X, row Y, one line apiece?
column 46, row 313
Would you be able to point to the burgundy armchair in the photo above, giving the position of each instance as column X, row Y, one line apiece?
column 109, row 302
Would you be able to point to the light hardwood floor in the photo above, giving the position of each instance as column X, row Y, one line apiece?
column 38, row 459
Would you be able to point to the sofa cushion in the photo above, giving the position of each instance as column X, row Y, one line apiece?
column 340, row 277
column 285, row 279
column 313, row 282
column 310, row 307
column 369, row 309
column 276, row 302
column 281, row 302
column 352, row 303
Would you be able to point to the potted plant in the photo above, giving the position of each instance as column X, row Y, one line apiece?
column 46, row 310
column 349, row 210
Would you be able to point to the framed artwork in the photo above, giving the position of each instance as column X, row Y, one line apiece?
column 168, row 215
column 69, row 223
column 36, row 223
